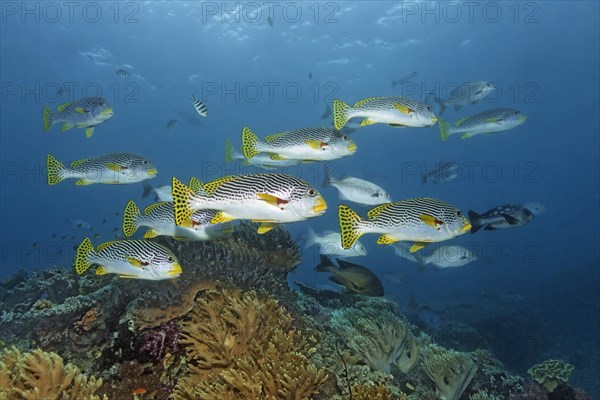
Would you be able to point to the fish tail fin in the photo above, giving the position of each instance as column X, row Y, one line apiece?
column 349, row 226
column 325, row 266
column 443, row 129
column 328, row 178
column 423, row 178
column 54, row 170
column 130, row 215
column 182, row 195
column 249, row 142
column 147, row 190
column 442, row 105
column 421, row 260
column 475, row 221
column 340, row 114
column 81, row 257
column 312, row 238
column 48, row 118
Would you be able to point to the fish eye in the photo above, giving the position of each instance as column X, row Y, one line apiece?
column 345, row 137
column 386, row 195
column 145, row 162
column 489, row 84
column 517, row 112
column 311, row 192
column 170, row 259
column 429, row 108
column 458, row 214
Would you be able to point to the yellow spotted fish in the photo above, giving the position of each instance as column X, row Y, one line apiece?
column 419, row 220
column 83, row 113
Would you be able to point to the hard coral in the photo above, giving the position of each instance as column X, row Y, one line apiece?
column 375, row 333
column 243, row 346
column 375, row 392
column 550, row 373
column 450, row 370
column 42, row 376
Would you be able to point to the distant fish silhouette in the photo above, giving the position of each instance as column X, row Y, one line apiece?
column 121, row 73
column 327, row 112
column 310, row 75
column 270, row 21
column 171, row 124
column 404, row 79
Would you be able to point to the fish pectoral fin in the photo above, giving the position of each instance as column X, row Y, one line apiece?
column 150, row 233
column 134, row 262
column 386, row 239
column 316, row 144
column 83, row 182
column 466, row 136
column 431, row 221
column 115, row 167
column 272, row 200
column 101, row 271
column 220, row 218
column 510, row 219
column 492, row 120
column 265, row 227
column 277, row 157
column 65, row 127
column 366, row 122
column 335, row 279
column 89, row 132
column 81, row 110
column 397, row 125
column 417, row 246
column 403, row 109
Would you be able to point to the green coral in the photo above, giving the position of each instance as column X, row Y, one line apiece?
column 484, row 395
column 550, row 373
column 451, row 371
column 377, row 335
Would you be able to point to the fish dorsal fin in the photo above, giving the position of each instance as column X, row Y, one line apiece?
column 274, row 136
column 153, row 207
column 77, row 163
column 316, row 144
column 277, row 157
column 373, row 213
column 101, row 271
column 363, row 102
column 104, row 245
column 272, row 200
column 196, row 185
column 63, row 106
column 461, row 121
column 210, row 187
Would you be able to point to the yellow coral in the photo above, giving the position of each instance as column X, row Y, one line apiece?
column 375, row 392
column 42, row 376
column 550, row 373
column 242, row 346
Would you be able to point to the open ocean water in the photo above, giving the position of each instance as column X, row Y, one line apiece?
column 534, row 289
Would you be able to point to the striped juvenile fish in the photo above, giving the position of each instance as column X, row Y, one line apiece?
column 419, row 220
column 114, row 168
column 199, row 106
column 265, row 198
column 396, row 111
column 490, row 121
column 160, row 219
column 138, row 259
column 306, row 144
column 83, row 113
column 261, row 160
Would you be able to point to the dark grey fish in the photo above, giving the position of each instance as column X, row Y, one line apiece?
column 327, row 112
column 404, row 79
column 504, row 216
column 121, row 73
column 445, row 171
column 430, row 318
column 270, row 21
column 356, row 278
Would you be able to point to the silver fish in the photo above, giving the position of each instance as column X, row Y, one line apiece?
column 490, row 121
column 357, row 190
column 330, row 243
column 467, row 93
column 446, row 171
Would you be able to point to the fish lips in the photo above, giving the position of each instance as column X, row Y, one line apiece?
column 320, row 207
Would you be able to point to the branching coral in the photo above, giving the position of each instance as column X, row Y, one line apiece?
column 377, row 335
column 450, row 370
column 240, row 345
column 375, row 392
column 42, row 376
column 550, row 373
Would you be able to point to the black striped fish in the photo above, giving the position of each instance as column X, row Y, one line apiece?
column 199, row 106
column 83, row 113
column 306, row 144
column 265, row 198
column 171, row 123
column 396, row 111
column 138, row 259
column 419, row 220
column 114, row 168
column 160, row 220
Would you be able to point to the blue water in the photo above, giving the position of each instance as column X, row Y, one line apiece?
column 543, row 56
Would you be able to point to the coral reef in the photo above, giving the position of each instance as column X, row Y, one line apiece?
column 242, row 345
column 41, row 376
column 450, row 370
column 375, row 392
column 550, row 373
column 375, row 333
